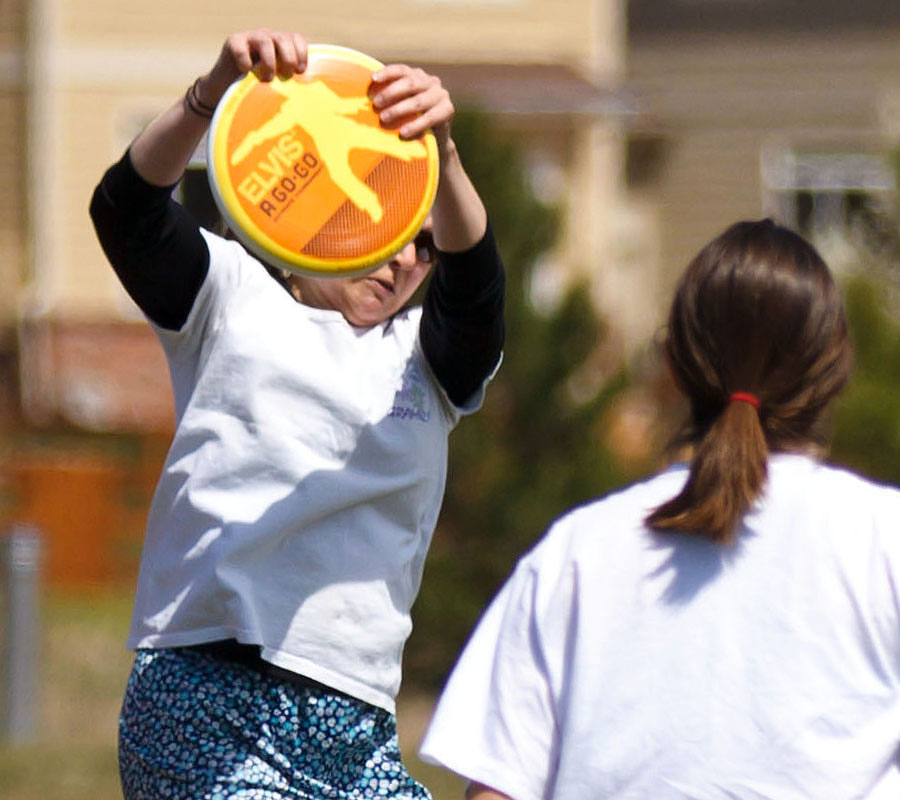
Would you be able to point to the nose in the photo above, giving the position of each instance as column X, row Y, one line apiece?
column 407, row 258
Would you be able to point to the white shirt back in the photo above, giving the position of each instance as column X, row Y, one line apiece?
column 620, row 663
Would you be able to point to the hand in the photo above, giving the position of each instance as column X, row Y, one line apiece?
column 266, row 53
column 414, row 100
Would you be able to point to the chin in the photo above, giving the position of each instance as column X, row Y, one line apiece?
column 368, row 319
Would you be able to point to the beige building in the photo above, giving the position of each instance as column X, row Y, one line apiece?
column 81, row 77
column 89, row 75
column 766, row 108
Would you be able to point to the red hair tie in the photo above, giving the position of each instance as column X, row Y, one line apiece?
column 744, row 397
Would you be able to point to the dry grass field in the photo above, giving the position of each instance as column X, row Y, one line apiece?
column 83, row 670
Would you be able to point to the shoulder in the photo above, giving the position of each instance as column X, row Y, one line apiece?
column 859, row 484
column 235, row 274
column 608, row 528
column 399, row 334
column 829, row 488
column 234, row 278
column 227, row 256
column 833, row 514
column 622, row 509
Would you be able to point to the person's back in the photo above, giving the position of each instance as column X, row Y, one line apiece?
column 672, row 667
column 729, row 628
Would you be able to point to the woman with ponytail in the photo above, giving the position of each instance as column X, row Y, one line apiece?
column 729, row 628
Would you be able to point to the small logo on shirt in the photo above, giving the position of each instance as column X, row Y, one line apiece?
column 411, row 398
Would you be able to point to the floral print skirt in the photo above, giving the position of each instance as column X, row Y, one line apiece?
column 195, row 726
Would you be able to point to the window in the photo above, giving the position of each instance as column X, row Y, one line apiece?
column 818, row 193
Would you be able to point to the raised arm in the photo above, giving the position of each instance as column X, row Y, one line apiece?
column 162, row 151
column 411, row 94
column 153, row 244
column 462, row 326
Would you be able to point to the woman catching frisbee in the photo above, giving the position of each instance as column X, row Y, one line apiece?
column 287, row 534
column 729, row 628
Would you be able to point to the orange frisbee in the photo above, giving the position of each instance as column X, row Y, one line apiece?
column 308, row 178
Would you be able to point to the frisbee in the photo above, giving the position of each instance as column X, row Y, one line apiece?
column 306, row 175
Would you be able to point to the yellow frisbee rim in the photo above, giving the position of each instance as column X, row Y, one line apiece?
column 257, row 240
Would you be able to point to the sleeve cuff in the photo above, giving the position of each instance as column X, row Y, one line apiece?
column 470, row 273
column 125, row 187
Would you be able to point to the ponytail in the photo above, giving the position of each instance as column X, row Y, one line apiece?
column 727, row 474
column 756, row 310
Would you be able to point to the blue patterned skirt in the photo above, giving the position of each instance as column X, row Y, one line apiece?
column 194, row 726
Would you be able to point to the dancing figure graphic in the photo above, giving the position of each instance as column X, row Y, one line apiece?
column 329, row 120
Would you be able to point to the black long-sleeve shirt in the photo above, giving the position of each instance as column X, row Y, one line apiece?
column 159, row 254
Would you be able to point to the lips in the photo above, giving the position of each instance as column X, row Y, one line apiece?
column 385, row 285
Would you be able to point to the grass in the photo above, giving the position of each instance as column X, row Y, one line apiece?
column 82, row 674
column 83, row 670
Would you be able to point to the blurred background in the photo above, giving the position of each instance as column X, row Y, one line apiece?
column 610, row 140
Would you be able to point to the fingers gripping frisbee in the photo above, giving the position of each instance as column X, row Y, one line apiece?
column 308, row 178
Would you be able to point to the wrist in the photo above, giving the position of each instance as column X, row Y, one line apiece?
column 449, row 160
column 209, row 89
column 447, row 153
column 195, row 105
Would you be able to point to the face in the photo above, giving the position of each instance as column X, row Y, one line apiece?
column 370, row 299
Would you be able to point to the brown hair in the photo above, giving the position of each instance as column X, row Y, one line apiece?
column 756, row 311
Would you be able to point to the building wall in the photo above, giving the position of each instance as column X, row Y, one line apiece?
column 114, row 65
column 12, row 205
column 492, row 30
column 12, row 25
column 718, row 103
column 12, row 165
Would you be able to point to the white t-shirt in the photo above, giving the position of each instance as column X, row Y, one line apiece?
column 302, row 487
column 619, row 663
